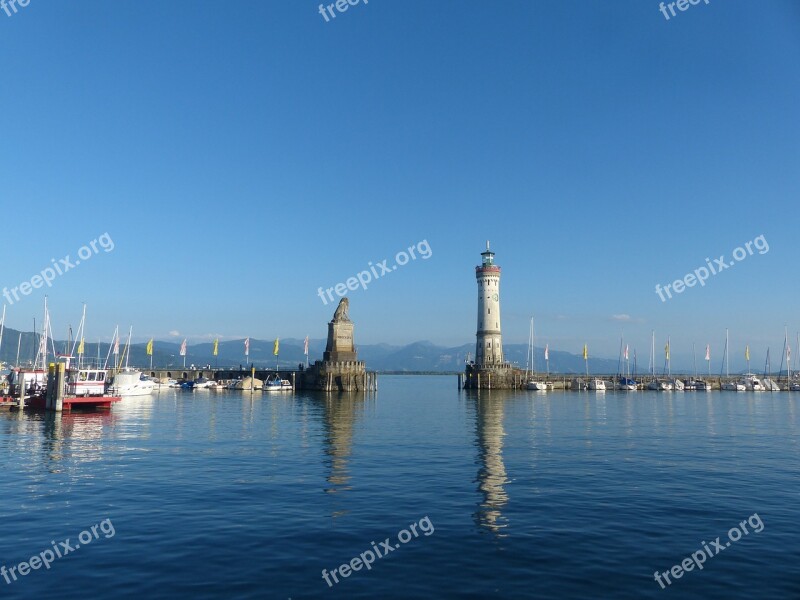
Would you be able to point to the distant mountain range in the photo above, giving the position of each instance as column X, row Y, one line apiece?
column 419, row 356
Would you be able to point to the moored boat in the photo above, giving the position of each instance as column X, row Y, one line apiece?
column 131, row 382
column 597, row 385
column 752, row 383
column 86, row 382
column 578, row 385
column 276, row 384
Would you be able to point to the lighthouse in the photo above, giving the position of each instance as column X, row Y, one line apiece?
column 489, row 344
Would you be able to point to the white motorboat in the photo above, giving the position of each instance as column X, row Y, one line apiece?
column 676, row 384
column 597, row 385
column 752, row 383
column 276, row 384
column 659, row 385
column 539, row 386
column 770, row 385
column 733, row 386
column 131, row 382
column 202, row 383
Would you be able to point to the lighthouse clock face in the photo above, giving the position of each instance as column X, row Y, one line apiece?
column 495, row 297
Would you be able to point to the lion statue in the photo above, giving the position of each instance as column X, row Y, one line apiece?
column 341, row 310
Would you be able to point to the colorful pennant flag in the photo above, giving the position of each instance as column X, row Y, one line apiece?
column 216, row 347
column 183, row 348
column 150, row 347
column 275, row 347
column 247, row 347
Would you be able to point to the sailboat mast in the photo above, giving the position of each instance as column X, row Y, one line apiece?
column 787, row 352
column 528, row 354
column 653, row 352
column 669, row 357
column 727, row 365
column 128, row 346
column 2, row 326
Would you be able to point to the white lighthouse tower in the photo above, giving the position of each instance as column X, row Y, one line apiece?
column 489, row 345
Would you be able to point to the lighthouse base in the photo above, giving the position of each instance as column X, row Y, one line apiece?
column 502, row 377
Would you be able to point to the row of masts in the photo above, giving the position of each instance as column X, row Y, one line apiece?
column 46, row 344
column 624, row 353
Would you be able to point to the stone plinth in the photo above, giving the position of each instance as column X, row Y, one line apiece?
column 340, row 370
column 340, row 347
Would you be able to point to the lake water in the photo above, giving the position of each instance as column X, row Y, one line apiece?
column 527, row 495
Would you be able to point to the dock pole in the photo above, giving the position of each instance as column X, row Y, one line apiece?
column 54, row 396
column 21, row 403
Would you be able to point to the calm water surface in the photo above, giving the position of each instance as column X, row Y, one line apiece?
column 530, row 495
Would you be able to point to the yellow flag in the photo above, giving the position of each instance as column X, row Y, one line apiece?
column 747, row 352
column 150, row 347
column 275, row 347
column 666, row 351
column 80, row 347
column 216, row 347
column 585, row 352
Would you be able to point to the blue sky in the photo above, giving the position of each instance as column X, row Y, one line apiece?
column 241, row 155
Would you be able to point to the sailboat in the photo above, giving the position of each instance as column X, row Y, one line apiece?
column 728, row 385
column 595, row 383
column 532, row 383
column 579, row 384
column 548, row 384
column 624, row 381
column 656, row 384
column 676, row 383
column 770, row 385
column 691, row 384
column 700, row 384
column 794, row 386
